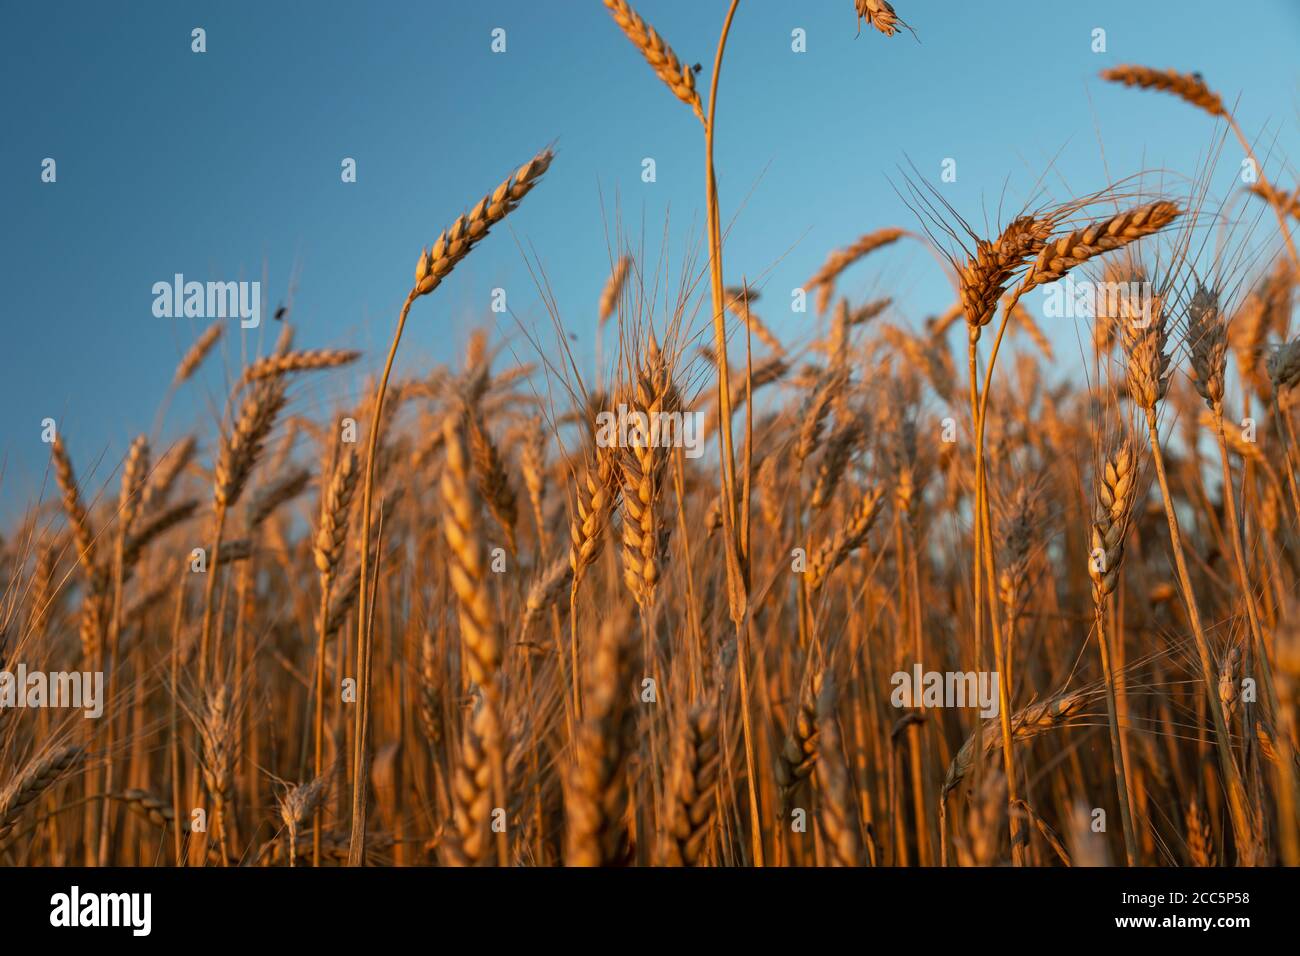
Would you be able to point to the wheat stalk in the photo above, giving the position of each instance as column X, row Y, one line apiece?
column 433, row 266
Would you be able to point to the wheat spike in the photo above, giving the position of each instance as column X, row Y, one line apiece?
column 798, row 752
column 839, row 819
column 676, row 76
column 1200, row 842
column 456, row 241
column 596, row 493
column 309, row 360
column 1186, row 86
column 83, row 532
column 692, row 787
column 846, row 539
column 493, row 482
column 613, row 289
column 335, row 506
column 547, row 589
column 596, row 796
column 823, row 279
column 1030, row 722
column 1146, row 347
column 984, row 277
column 1207, row 341
column 243, row 446
column 1116, row 490
column 471, row 789
column 466, row 564
column 1283, row 365
column 192, row 359
column 39, row 775
column 878, row 14
column 1064, row 253
column 1289, row 203
column 642, row 467
column 135, row 471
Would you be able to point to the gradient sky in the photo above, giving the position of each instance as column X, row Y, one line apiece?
column 226, row 165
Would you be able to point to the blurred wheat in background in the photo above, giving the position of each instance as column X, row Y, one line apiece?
column 449, row 626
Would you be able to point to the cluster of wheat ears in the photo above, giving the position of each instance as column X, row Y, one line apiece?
column 448, row 626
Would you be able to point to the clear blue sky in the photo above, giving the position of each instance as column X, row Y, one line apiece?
column 226, row 165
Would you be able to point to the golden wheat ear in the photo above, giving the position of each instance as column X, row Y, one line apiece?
column 823, row 279
column 39, row 775
column 676, row 76
column 455, row 242
column 1186, row 86
column 879, row 14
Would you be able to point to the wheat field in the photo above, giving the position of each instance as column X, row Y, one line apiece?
column 454, row 625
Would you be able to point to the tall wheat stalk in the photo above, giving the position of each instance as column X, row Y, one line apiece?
column 435, row 263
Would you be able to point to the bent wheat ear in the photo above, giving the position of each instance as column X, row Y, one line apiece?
column 678, row 77
column 738, row 304
column 169, row 468
column 878, row 14
column 1026, row 724
column 281, row 490
column 1288, row 203
column 987, row 273
column 798, row 754
column 1186, row 86
column 824, row 278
